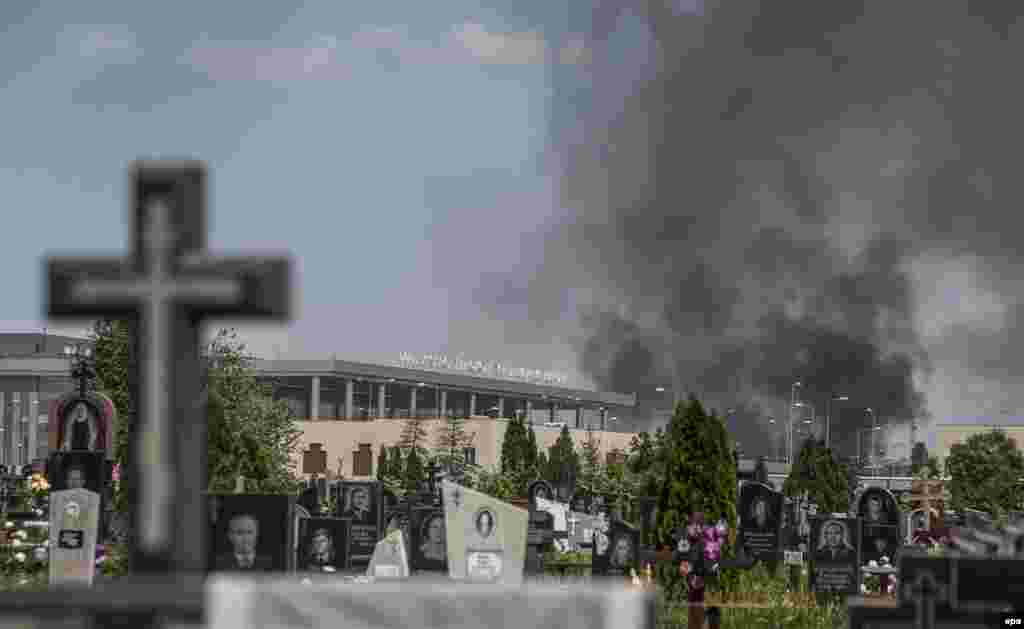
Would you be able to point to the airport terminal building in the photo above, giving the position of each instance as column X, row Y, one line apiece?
column 353, row 409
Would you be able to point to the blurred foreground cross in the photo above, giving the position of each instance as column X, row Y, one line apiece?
column 166, row 289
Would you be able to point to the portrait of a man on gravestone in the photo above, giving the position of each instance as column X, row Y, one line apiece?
column 243, row 532
column 252, row 532
column 359, row 506
column 323, row 545
column 622, row 553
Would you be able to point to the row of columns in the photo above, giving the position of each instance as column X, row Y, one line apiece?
column 19, row 420
column 314, row 404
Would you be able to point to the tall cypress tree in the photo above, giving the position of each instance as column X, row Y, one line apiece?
column 564, row 451
column 513, row 447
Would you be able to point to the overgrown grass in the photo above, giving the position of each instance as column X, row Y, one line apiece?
column 825, row 612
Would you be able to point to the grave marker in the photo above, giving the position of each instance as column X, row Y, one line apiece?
column 486, row 537
column 74, row 523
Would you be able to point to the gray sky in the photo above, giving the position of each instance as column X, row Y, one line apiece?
column 745, row 195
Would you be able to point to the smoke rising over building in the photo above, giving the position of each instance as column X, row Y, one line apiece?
column 770, row 192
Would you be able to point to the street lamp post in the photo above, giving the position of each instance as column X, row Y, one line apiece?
column 789, row 428
column 828, row 416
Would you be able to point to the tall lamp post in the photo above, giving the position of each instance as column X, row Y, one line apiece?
column 813, row 413
column 828, row 416
column 789, row 429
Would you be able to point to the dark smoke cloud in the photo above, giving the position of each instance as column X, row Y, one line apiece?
column 764, row 207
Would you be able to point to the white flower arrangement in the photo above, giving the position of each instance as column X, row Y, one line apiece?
column 40, row 553
column 20, row 534
column 872, row 564
column 20, row 557
column 15, row 542
column 884, row 561
column 8, row 525
column 329, row 569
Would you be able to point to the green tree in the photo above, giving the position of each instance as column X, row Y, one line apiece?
column 564, row 451
column 415, row 472
column 591, row 477
column 513, row 447
column 645, row 461
column 700, row 472
column 817, row 473
column 931, row 470
column 985, row 473
column 383, row 464
column 451, row 441
column 249, row 433
column 531, row 452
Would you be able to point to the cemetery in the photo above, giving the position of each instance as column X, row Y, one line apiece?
column 136, row 527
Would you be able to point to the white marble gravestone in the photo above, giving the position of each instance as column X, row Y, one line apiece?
column 236, row 604
column 486, row 536
column 74, row 522
column 390, row 559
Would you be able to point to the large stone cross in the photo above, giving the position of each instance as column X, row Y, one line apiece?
column 168, row 287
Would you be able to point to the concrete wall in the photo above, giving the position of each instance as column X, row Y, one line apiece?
column 342, row 438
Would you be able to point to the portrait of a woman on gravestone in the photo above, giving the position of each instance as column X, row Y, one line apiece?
column 541, row 490
column 433, row 546
column 622, row 553
column 834, row 543
column 484, row 523
column 80, row 428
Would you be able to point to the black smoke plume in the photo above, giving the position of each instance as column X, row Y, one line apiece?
column 748, row 206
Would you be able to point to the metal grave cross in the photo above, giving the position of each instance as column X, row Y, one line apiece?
column 167, row 288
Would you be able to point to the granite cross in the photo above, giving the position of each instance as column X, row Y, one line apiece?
column 167, row 288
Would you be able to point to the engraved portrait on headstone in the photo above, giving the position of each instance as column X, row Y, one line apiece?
column 323, row 545
column 760, row 511
column 429, row 545
column 252, row 533
column 835, row 557
column 362, row 504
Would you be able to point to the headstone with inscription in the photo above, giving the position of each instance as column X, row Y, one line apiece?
column 74, row 523
column 362, row 502
column 879, row 517
column 486, row 536
column 760, row 515
column 835, row 561
column 615, row 549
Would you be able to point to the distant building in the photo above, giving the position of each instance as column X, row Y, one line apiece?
column 341, row 404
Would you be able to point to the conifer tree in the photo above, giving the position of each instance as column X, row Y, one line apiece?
column 513, row 447
column 451, row 442
column 817, row 473
column 700, row 471
column 564, row 451
column 414, row 472
column 531, row 450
